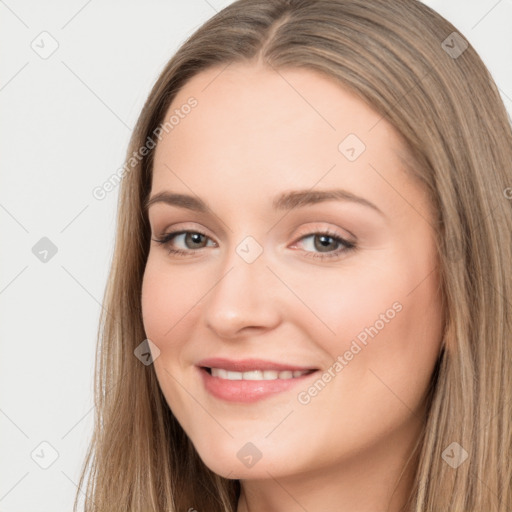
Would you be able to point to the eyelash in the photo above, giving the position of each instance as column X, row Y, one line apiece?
column 348, row 246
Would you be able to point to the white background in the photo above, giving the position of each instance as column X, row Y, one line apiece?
column 66, row 121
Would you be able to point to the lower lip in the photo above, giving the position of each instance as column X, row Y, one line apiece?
column 248, row 391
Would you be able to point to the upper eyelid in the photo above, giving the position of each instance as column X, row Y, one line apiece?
column 185, row 226
column 303, row 234
column 181, row 230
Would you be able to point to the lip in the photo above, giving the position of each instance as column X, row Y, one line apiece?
column 248, row 391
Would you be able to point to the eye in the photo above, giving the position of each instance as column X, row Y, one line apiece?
column 195, row 238
column 322, row 242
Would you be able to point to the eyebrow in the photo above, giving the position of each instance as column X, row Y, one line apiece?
column 285, row 201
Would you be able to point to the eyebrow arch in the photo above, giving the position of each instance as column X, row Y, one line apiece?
column 285, row 201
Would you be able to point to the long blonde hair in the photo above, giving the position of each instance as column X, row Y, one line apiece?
column 404, row 60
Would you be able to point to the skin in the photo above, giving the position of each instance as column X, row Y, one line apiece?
column 254, row 134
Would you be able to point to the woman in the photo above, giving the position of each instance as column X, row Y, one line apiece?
column 262, row 369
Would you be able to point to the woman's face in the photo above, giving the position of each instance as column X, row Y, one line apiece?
column 269, row 279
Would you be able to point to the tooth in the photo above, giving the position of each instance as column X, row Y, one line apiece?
column 253, row 375
column 256, row 374
column 219, row 372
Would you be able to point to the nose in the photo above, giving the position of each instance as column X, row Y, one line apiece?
column 244, row 298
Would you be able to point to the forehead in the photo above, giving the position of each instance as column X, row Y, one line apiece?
column 266, row 130
column 248, row 99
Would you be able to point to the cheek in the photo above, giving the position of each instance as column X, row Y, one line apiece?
column 388, row 322
column 410, row 346
column 167, row 313
column 388, row 332
column 161, row 305
column 170, row 302
column 341, row 305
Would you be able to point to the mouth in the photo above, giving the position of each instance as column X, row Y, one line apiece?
column 249, row 381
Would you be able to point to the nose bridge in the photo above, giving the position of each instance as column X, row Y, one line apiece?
column 243, row 294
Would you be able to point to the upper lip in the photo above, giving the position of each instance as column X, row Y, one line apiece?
column 245, row 365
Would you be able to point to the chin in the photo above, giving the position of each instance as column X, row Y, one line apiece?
column 240, row 462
